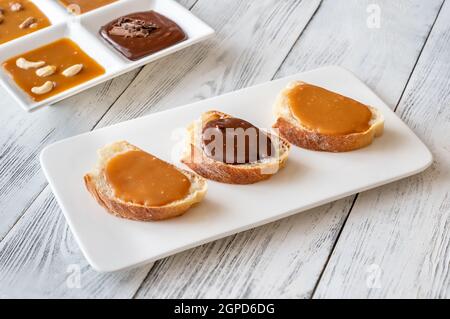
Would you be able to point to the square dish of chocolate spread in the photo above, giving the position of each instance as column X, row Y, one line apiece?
column 140, row 34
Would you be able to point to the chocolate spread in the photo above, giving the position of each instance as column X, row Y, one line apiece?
column 235, row 141
column 132, row 28
column 139, row 34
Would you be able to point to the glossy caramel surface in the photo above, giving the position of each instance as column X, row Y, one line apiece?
column 11, row 21
column 82, row 6
column 141, row 178
column 327, row 112
column 62, row 53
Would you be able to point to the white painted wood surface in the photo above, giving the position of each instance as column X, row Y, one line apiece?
column 324, row 252
column 396, row 239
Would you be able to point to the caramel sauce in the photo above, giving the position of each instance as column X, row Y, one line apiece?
column 84, row 5
column 62, row 53
column 141, row 178
column 11, row 21
column 327, row 112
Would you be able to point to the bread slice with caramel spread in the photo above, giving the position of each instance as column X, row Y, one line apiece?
column 317, row 119
column 118, row 185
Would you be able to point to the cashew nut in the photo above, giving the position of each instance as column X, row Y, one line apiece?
column 25, row 64
column 28, row 22
column 46, row 71
column 72, row 70
column 43, row 89
column 15, row 6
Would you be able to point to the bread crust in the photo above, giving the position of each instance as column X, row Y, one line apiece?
column 196, row 159
column 293, row 131
column 141, row 212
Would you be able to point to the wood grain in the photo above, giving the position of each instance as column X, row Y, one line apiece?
column 286, row 258
column 187, row 3
column 161, row 80
column 40, row 258
column 396, row 242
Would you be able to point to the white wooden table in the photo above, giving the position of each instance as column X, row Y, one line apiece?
column 392, row 241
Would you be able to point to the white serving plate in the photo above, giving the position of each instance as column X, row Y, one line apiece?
column 84, row 29
column 310, row 178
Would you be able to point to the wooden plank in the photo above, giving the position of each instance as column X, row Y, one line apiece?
column 235, row 20
column 395, row 243
column 286, row 258
column 39, row 258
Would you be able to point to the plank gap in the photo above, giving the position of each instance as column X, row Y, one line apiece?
column 298, row 39
column 418, row 57
column 334, row 246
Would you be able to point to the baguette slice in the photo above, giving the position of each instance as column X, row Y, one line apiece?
column 296, row 133
column 198, row 161
column 98, row 186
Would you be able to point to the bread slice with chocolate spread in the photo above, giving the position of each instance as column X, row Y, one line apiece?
column 209, row 167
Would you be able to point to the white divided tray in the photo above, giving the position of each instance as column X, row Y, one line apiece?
column 84, row 31
column 309, row 179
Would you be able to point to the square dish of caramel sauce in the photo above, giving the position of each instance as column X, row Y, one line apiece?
column 63, row 65
column 83, row 6
column 19, row 18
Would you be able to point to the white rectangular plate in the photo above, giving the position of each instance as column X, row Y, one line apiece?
column 84, row 30
column 309, row 179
